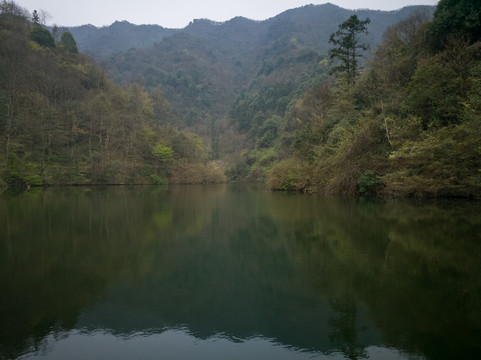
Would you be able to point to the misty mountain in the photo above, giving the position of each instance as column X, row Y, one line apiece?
column 312, row 23
column 208, row 67
column 100, row 42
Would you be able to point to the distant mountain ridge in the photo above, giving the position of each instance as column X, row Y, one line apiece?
column 120, row 36
column 309, row 20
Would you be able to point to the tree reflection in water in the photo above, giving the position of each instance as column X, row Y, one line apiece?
column 344, row 333
column 311, row 274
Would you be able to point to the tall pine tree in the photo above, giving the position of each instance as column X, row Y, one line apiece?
column 348, row 48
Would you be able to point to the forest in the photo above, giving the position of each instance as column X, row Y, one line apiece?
column 274, row 105
column 64, row 122
column 408, row 126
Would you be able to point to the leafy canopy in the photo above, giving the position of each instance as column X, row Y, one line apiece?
column 455, row 18
column 42, row 36
column 68, row 43
column 162, row 152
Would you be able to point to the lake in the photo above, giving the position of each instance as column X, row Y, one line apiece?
column 236, row 272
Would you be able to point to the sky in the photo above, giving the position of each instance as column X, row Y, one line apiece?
column 179, row 13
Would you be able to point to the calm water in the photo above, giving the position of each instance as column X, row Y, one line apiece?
column 234, row 272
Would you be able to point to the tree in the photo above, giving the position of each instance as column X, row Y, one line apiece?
column 162, row 152
column 67, row 42
column 11, row 12
column 348, row 48
column 42, row 36
column 35, row 17
column 164, row 155
column 455, row 18
column 438, row 91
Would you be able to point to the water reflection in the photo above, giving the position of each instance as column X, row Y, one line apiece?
column 236, row 269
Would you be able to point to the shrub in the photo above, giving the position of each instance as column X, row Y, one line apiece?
column 159, row 180
column 368, row 183
column 290, row 174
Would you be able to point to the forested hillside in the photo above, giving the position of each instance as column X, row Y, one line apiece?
column 120, row 36
column 64, row 122
column 409, row 126
column 267, row 100
column 203, row 68
column 225, row 80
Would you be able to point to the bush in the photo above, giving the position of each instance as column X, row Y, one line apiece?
column 290, row 174
column 34, row 180
column 368, row 183
column 187, row 173
column 446, row 162
column 239, row 170
column 159, row 180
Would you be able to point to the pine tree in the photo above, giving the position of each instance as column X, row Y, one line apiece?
column 35, row 17
column 348, row 48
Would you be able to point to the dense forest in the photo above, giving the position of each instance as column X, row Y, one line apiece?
column 409, row 126
column 64, row 122
column 248, row 101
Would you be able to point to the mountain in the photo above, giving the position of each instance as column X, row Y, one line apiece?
column 312, row 23
column 120, row 36
column 207, row 67
column 218, row 74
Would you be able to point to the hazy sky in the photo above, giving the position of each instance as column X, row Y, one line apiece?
column 178, row 13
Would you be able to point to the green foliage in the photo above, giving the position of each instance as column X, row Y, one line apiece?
column 240, row 72
column 258, row 105
column 348, row 48
column 409, row 126
column 196, row 173
column 455, row 18
column 189, row 146
column 368, row 183
column 42, row 36
column 64, row 122
column 433, row 94
column 239, row 171
column 396, row 59
column 159, row 180
column 67, row 42
column 34, row 180
column 163, row 153
column 291, row 174
column 441, row 85
column 268, row 131
column 444, row 162
column 305, row 142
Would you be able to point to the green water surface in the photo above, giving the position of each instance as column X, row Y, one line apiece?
column 236, row 272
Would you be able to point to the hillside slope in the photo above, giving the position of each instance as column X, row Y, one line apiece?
column 208, row 67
